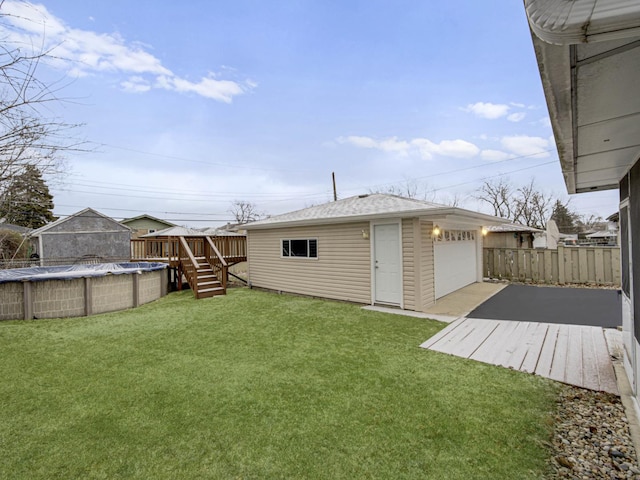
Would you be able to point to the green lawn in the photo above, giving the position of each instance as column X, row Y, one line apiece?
column 258, row 385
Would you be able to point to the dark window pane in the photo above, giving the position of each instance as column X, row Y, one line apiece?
column 313, row 248
column 624, row 249
column 298, row 248
column 285, row 248
column 634, row 229
column 624, row 187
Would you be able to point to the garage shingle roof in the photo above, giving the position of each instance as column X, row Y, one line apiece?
column 365, row 207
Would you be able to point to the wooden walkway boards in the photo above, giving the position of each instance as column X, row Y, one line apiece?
column 572, row 354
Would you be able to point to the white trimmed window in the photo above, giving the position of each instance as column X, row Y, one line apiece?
column 455, row 236
column 300, row 248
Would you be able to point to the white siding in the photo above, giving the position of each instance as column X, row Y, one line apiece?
column 342, row 270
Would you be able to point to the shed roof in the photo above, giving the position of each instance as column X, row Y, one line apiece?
column 63, row 220
column 371, row 207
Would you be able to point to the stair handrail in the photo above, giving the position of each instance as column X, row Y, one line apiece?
column 189, row 264
column 217, row 262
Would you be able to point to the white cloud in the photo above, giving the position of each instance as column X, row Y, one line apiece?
column 524, row 145
column 494, row 155
column 487, row 110
column 446, row 148
column 357, row 141
column 422, row 146
column 391, row 144
column 135, row 85
column 208, row 87
column 83, row 52
column 516, row 117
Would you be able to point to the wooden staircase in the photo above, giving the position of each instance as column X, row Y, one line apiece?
column 206, row 272
column 208, row 284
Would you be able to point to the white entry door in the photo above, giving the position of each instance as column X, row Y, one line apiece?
column 387, row 268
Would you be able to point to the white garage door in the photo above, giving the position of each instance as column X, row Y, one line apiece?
column 455, row 264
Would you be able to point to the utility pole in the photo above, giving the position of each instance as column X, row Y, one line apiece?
column 335, row 193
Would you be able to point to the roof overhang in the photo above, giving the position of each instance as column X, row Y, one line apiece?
column 588, row 54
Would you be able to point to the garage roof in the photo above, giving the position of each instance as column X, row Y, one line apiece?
column 371, row 207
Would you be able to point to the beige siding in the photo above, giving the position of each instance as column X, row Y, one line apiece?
column 427, row 283
column 410, row 263
column 342, row 270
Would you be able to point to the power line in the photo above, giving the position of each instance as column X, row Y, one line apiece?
column 201, row 162
column 285, row 197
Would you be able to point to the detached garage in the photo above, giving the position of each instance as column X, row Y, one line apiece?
column 371, row 249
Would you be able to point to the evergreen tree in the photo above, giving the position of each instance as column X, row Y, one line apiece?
column 565, row 219
column 25, row 199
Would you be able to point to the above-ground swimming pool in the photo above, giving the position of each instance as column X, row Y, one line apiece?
column 79, row 290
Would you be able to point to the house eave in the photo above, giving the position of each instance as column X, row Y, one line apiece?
column 587, row 50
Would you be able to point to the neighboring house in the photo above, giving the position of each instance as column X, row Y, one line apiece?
column 588, row 54
column 603, row 237
column 15, row 228
column 87, row 235
column 510, row 235
column 223, row 232
column 144, row 224
column 176, row 231
column 371, row 249
column 24, row 232
column 229, row 228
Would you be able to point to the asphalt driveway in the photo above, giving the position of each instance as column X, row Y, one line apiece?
column 572, row 306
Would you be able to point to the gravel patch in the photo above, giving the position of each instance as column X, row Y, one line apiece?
column 591, row 437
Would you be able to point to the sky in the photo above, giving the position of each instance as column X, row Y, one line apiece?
column 187, row 107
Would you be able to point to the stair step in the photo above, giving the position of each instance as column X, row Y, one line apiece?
column 207, row 279
column 210, row 292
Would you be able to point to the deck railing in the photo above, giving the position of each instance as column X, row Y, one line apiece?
column 188, row 266
column 217, row 262
column 232, row 249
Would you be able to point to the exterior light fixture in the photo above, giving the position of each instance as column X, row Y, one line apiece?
column 436, row 230
column 484, row 231
column 365, row 234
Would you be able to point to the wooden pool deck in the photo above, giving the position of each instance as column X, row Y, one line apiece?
column 572, row 354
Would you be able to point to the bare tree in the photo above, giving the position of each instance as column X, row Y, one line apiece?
column 587, row 223
column 245, row 212
column 411, row 188
column 498, row 194
column 527, row 204
column 30, row 135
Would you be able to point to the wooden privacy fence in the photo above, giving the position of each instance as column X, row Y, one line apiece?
column 581, row 265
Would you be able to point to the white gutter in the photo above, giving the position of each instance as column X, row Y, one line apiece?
column 570, row 22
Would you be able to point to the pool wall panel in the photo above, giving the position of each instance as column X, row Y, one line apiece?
column 78, row 297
